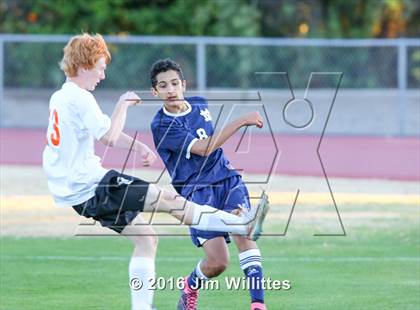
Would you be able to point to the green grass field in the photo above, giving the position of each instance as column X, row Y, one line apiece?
column 376, row 266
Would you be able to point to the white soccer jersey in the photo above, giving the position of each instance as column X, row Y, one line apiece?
column 72, row 169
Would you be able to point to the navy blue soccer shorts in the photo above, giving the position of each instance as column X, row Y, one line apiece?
column 227, row 195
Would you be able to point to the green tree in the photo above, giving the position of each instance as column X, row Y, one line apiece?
column 163, row 17
column 340, row 18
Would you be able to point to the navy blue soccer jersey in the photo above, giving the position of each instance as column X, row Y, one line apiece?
column 174, row 136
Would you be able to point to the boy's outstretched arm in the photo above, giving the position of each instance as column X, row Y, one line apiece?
column 207, row 146
column 118, row 117
column 125, row 141
column 116, row 137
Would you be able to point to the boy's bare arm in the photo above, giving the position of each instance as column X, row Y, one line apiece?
column 125, row 142
column 207, row 146
column 118, row 118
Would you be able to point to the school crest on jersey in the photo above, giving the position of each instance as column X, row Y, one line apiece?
column 206, row 114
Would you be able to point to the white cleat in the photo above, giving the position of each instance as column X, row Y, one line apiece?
column 257, row 216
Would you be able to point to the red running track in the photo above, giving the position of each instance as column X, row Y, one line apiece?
column 342, row 156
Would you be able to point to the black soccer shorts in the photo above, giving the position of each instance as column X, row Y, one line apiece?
column 118, row 199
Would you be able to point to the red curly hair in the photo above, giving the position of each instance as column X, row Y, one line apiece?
column 83, row 51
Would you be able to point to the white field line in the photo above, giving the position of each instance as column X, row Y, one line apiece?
column 349, row 259
column 45, row 202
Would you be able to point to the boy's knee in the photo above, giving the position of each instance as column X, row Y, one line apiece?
column 146, row 243
column 217, row 266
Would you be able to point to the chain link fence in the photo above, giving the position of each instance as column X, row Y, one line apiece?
column 31, row 62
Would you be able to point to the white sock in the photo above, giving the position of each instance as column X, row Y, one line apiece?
column 209, row 218
column 199, row 272
column 141, row 271
column 251, row 257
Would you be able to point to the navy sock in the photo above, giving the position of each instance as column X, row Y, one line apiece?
column 254, row 275
column 194, row 282
column 250, row 261
column 196, row 278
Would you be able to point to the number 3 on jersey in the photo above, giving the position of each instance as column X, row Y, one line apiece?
column 201, row 134
column 53, row 130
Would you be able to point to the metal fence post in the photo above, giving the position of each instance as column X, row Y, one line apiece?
column 402, row 86
column 1, row 79
column 201, row 65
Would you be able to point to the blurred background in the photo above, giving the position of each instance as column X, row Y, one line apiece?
column 357, row 63
column 224, row 46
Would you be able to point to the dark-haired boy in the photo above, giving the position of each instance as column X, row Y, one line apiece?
column 185, row 140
